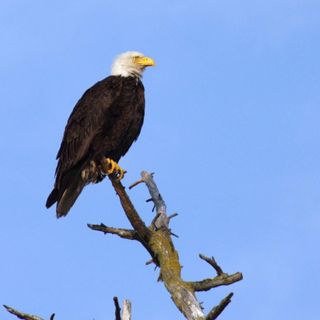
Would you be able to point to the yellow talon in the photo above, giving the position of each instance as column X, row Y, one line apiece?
column 121, row 173
column 114, row 169
column 111, row 163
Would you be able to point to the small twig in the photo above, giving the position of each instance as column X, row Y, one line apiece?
column 172, row 215
column 136, row 183
column 123, row 233
column 174, row 235
column 154, row 220
column 52, row 316
column 216, row 311
column 212, row 262
column 118, row 309
column 149, row 262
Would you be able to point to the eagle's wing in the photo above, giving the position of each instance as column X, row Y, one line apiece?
column 86, row 120
column 89, row 116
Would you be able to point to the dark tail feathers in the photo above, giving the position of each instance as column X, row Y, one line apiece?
column 65, row 198
column 53, row 198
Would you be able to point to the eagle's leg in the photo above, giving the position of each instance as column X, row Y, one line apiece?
column 90, row 173
column 111, row 167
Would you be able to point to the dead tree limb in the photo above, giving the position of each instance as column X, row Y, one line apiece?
column 126, row 312
column 216, row 311
column 122, row 233
column 222, row 279
column 157, row 240
column 117, row 307
column 212, row 263
column 25, row 316
column 125, row 315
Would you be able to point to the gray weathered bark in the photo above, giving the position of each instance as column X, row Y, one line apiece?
column 156, row 238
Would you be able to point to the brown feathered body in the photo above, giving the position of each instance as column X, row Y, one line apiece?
column 104, row 123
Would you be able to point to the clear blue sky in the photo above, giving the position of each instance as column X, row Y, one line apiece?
column 231, row 130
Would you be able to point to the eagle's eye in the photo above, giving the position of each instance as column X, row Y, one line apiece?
column 135, row 58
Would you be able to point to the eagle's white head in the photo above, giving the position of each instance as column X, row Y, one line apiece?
column 131, row 63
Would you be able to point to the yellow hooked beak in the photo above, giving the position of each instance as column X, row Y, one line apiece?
column 144, row 61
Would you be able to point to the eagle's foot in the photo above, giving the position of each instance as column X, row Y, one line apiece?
column 114, row 169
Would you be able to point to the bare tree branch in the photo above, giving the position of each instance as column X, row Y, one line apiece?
column 212, row 262
column 157, row 240
column 24, row 316
column 123, row 233
column 222, row 280
column 216, row 311
column 131, row 213
column 135, row 184
column 126, row 312
column 172, row 215
column 162, row 220
column 117, row 307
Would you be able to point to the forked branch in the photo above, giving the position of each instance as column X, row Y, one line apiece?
column 157, row 240
column 126, row 311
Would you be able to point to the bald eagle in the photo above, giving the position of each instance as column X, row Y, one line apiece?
column 103, row 125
